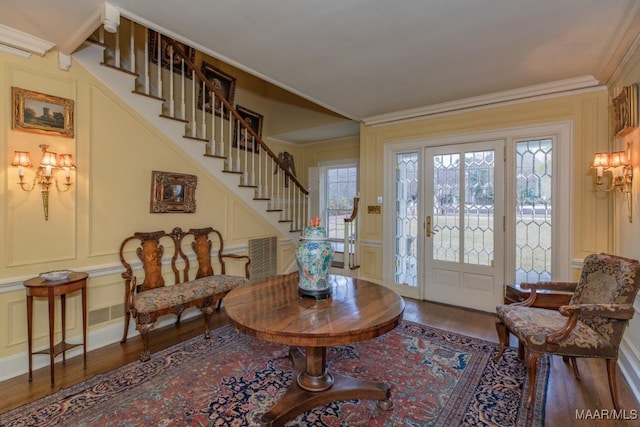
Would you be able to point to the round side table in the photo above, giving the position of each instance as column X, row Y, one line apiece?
column 39, row 287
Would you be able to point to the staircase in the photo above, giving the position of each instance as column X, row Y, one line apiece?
column 191, row 110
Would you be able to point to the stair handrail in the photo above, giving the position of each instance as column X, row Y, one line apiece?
column 351, row 258
column 211, row 88
column 354, row 212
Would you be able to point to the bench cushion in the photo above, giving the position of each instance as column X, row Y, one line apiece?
column 160, row 299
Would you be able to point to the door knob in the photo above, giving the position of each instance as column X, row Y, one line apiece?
column 430, row 231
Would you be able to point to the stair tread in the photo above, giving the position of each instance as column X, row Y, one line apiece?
column 195, row 138
column 148, row 95
column 165, row 116
column 214, row 156
column 123, row 70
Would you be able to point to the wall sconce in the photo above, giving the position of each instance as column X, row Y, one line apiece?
column 619, row 164
column 45, row 174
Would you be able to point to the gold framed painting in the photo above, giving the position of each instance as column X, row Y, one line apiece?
column 225, row 83
column 38, row 112
column 173, row 192
column 244, row 138
column 164, row 52
column 625, row 110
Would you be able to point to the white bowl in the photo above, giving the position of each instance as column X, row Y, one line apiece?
column 56, row 275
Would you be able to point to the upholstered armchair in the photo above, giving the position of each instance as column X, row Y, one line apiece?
column 590, row 326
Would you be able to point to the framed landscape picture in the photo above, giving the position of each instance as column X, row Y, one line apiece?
column 165, row 53
column 173, row 192
column 225, row 83
column 38, row 112
column 244, row 138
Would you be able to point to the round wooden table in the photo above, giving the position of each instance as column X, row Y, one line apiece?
column 39, row 287
column 357, row 310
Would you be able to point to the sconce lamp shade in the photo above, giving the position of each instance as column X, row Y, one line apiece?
column 601, row 160
column 619, row 164
column 617, row 159
column 66, row 161
column 22, row 159
column 48, row 159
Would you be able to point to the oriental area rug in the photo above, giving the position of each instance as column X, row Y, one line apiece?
column 437, row 378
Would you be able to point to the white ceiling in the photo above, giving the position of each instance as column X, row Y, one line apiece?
column 370, row 59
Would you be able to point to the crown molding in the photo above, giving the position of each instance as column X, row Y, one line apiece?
column 14, row 51
column 15, row 39
column 525, row 93
column 623, row 45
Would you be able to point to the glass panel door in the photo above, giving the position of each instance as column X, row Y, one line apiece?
column 534, row 187
column 464, row 205
column 406, row 218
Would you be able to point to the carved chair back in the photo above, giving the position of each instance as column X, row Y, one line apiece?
column 151, row 253
column 178, row 249
column 201, row 242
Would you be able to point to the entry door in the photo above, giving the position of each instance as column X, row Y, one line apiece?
column 464, row 224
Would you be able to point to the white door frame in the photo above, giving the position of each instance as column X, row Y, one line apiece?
column 560, row 132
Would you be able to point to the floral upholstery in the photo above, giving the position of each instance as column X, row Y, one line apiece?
column 532, row 325
column 161, row 299
column 591, row 325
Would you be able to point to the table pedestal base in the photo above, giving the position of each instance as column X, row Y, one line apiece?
column 313, row 385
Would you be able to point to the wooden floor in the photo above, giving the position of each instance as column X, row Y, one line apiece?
column 565, row 394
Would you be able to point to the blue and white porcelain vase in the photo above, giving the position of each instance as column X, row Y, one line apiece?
column 314, row 255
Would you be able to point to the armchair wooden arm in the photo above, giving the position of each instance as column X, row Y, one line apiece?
column 573, row 312
column 551, row 286
column 554, row 293
column 555, row 338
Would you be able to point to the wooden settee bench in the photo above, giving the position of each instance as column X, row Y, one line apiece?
column 178, row 251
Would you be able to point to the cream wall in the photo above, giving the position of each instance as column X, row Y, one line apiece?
column 626, row 234
column 312, row 154
column 115, row 152
column 338, row 149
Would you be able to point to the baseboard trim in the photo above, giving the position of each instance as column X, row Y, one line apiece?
column 628, row 362
column 18, row 364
